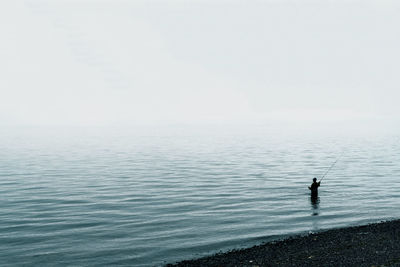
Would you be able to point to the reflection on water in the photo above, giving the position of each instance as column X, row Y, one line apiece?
column 315, row 212
column 315, row 205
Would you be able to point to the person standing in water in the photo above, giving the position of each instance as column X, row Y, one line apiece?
column 314, row 188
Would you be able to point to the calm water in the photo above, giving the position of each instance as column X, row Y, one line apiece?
column 144, row 198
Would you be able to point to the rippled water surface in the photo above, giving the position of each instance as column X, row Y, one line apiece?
column 145, row 198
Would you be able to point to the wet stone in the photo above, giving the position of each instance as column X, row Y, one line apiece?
column 368, row 245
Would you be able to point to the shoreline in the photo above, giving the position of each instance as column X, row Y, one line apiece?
column 375, row 244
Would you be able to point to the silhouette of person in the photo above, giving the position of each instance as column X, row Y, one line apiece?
column 314, row 188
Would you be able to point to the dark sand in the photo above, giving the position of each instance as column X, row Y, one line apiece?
column 368, row 245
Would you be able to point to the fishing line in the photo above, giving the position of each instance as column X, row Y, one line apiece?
column 331, row 166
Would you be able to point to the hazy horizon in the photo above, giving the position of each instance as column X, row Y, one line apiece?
column 107, row 63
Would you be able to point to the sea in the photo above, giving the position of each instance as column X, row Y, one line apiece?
column 148, row 196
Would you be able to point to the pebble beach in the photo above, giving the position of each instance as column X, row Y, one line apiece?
column 375, row 244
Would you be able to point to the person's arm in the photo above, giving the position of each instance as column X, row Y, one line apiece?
column 319, row 183
column 309, row 188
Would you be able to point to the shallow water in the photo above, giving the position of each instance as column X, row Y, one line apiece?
column 144, row 197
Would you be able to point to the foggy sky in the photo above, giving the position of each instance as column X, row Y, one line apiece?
column 120, row 62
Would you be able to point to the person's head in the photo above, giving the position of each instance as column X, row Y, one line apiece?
column 314, row 180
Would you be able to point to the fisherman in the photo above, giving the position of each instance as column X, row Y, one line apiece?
column 314, row 188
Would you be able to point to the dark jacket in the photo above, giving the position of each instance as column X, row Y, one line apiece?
column 314, row 189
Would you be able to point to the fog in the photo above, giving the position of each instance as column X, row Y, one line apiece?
column 103, row 63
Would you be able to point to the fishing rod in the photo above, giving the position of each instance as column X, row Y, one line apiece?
column 331, row 166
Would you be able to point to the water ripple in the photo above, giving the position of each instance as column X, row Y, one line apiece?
column 140, row 200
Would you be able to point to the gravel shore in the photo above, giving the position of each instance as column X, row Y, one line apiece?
column 368, row 245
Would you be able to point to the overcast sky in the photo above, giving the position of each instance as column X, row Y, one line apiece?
column 120, row 62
